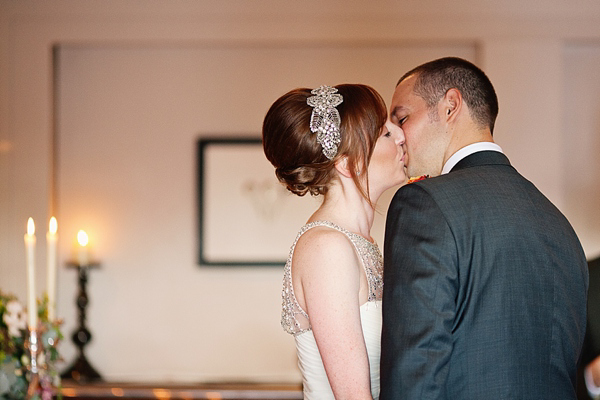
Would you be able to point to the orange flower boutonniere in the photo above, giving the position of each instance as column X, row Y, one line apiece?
column 417, row 179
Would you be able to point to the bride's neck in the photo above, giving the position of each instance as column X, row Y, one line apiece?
column 345, row 206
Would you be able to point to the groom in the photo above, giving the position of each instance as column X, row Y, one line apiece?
column 485, row 281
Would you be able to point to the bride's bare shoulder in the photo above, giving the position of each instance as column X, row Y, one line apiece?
column 323, row 250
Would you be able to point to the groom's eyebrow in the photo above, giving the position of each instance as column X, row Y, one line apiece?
column 397, row 109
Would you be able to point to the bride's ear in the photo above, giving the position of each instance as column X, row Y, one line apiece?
column 341, row 166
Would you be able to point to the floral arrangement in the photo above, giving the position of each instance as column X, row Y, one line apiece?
column 15, row 378
column 417, row 178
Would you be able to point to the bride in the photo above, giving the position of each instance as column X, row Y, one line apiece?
column 335, row 142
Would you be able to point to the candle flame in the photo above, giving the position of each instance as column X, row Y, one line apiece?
column 82, row 238
column 30, row 227
column 53, row 226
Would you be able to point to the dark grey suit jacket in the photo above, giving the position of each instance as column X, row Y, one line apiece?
column 591, row 345
column 485, row 287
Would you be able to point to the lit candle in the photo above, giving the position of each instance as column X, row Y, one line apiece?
column 30, row 256
column 82, row 255
column 51, row 240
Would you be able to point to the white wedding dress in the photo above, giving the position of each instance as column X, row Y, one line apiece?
column 296, row 322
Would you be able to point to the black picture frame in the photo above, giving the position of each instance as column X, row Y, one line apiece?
column 226, row 166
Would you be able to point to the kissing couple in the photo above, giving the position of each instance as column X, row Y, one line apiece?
column 481, row 289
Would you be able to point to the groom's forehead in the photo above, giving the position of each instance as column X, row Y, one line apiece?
column 404, row 96
column 404, row 89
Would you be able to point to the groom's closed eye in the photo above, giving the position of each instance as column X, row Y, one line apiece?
column 398, row 120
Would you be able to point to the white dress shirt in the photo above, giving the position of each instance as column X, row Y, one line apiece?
column 467, row 151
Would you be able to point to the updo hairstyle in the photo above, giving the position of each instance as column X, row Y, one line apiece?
column 297, row 156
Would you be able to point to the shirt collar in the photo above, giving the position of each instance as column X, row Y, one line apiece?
column 467, row 151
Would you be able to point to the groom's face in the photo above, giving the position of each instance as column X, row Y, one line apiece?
column 422, row 129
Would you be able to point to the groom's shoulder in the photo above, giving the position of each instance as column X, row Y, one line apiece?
column 427, row 191
column 429, row 185
column 439, row 183
column 470, row 185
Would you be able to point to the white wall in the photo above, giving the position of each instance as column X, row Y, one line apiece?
column 580, row 140
column 115, row 154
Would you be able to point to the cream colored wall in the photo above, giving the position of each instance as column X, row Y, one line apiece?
column 580, row 141
column 155, row 314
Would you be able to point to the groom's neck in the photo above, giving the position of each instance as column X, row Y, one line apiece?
column 464, row 136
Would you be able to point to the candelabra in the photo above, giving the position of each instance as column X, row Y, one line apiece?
column 81, row 370
column 32, row 346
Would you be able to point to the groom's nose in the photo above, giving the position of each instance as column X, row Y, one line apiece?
column 400, row 139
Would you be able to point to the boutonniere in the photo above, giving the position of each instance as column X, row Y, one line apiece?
column 417, row 179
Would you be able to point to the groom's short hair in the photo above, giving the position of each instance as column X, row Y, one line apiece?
column 436, row 77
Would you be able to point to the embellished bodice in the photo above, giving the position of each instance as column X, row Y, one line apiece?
column 294, row 319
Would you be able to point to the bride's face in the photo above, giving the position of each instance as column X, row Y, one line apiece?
column 386, row 168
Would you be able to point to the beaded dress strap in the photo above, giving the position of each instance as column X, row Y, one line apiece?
column 294, row 319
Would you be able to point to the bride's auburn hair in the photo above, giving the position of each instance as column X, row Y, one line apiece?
column 297, row 156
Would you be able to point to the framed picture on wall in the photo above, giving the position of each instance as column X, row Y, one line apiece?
column 246, row 217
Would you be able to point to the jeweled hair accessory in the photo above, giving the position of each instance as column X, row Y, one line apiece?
column 325, row 119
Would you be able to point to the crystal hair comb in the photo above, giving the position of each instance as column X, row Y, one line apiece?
column 325, row 119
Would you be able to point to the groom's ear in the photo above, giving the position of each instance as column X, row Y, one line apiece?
column 451, row 104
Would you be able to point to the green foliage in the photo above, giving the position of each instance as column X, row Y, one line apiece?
column 14, row 357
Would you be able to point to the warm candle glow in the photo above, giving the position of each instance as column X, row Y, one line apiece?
column 30, row 227
column 82, row 238
column 53, row 226
column 82, row 255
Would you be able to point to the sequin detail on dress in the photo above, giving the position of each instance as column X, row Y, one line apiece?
column 294, row 319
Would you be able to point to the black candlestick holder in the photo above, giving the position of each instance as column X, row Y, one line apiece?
column 81, row 370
